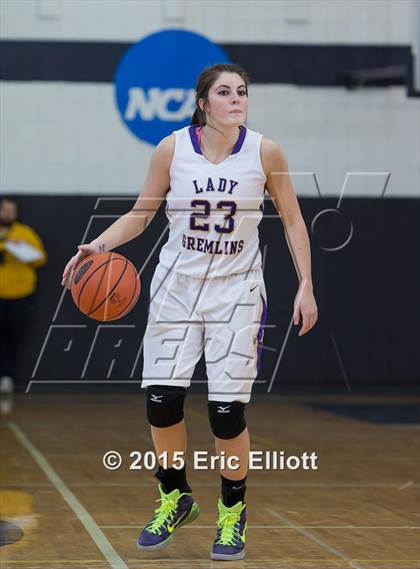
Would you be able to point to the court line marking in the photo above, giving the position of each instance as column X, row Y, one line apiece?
column 79, row 510
column 205, row 559
column 197, row 526
column 205, row 484
column 316, row 539
column 406, row 485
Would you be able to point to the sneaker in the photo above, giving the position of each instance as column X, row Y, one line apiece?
column 7, row 385
column 175, row 510
column 231, row 530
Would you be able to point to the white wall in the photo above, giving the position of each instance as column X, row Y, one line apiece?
column 65, row 138
column 300, row 21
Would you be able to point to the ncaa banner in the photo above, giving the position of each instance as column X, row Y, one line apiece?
column 155, row 80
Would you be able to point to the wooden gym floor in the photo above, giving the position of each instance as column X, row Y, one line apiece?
column 359, row 510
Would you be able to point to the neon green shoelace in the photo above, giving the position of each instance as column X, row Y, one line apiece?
column 167, row 508
column 228, row 530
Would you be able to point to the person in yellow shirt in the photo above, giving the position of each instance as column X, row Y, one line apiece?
column 17, row 286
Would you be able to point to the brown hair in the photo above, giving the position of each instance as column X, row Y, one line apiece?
column 206, row 79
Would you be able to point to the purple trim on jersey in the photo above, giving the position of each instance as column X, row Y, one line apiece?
column 262, row 206
column 194, row 139
column 260, row 333
column 240, row 141
column 238, row 144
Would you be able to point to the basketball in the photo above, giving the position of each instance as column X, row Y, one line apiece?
column 105, row 286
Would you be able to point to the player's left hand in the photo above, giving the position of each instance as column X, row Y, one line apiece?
column 305, row 305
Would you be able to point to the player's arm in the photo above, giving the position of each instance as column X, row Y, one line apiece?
column 134, row 223
column 279, row 186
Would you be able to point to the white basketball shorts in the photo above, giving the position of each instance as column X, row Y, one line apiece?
column 224, row 316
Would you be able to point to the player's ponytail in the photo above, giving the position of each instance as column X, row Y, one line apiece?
column 206, row 79
column 199, row 117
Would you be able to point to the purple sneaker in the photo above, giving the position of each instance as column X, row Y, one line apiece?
column 231, row 531
column 175, row 510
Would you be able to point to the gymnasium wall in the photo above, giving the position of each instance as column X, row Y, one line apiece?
column 69, row 139
column 299, row 21
column 64, row 145
column 67, row 136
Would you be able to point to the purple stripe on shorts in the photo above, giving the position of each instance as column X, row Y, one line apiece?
column 261, row 333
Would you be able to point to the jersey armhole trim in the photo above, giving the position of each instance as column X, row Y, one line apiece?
column 260, row 162
column 173, row 158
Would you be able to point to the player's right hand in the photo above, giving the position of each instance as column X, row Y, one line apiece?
column 84, row 251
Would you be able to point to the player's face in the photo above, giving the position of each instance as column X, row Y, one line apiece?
column 228, row 100
column 8, row 212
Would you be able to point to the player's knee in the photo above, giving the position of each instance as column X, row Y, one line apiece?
column 227, row 419
column 165, row 405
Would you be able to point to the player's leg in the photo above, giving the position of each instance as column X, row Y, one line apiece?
column 233, row 347
column 172, row 347
column 233, row 479
column 168, row 366
column 231, row 438
column 165, row 412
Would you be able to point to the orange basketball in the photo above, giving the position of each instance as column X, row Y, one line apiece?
column 105, row 286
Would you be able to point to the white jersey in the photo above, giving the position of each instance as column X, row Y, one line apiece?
column 214, row 209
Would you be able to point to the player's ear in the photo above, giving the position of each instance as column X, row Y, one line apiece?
column 201, row 104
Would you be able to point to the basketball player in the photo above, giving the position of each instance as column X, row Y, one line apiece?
column 208, row 292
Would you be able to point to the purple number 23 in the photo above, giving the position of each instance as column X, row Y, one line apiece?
column 205, row 212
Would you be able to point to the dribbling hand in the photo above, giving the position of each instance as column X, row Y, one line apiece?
column 84, row 251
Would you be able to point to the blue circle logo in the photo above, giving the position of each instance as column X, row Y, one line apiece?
column 155, row 80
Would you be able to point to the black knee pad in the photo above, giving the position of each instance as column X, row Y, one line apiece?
column 227, row 420
column 165, row 405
